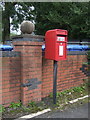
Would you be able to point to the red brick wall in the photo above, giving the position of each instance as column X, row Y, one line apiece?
column 69, row 73
column 0, row 78
column 47, row 77
column 11, row 78
column 27, row 76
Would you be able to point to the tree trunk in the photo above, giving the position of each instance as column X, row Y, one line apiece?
column 6, row 24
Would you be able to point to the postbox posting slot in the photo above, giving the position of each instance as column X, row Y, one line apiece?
column 61, row 35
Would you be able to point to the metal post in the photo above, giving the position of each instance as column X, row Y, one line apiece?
column 55, row 82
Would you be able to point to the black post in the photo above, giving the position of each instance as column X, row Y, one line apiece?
column 55, row 82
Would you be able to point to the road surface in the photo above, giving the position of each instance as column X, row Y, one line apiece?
column 76, row 112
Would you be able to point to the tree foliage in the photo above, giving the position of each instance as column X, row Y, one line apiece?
column 73, row 16
column 17, row 11
column 63, row 15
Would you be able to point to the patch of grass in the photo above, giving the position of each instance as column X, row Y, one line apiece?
column 2, row 109
column 15, row 105
column 70, row 94
column 34, row 107
column 26, row 109
column 17, row 109
column 32, row 104
column 78, row 89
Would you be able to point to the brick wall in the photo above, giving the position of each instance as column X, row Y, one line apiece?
column 47, row 77
column 0, row 78
column 28, row 76
column 69, row 73
column 11, row 77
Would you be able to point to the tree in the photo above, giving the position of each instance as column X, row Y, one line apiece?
column 17, row 11
column 73, row 16
column 79, row 20
column 63, row 15
column 50, row 16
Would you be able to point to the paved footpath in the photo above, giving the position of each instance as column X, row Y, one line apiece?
column 76, row 112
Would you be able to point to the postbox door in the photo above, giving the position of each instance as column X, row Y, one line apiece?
column 61, row 50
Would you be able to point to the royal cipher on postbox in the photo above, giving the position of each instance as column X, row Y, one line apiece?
column 56, row 44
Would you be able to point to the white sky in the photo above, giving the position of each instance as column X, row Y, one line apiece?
column 18, row 32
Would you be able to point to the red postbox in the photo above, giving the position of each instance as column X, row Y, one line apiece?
column 56, row 44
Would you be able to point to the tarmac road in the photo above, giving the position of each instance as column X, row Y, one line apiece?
column 81, row 112
column 76, row 112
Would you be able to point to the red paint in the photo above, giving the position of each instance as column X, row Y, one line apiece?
column 56, row 44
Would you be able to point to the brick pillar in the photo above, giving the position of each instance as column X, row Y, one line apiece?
column 31, row 66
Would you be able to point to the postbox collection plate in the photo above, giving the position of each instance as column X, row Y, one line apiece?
column 60, row 38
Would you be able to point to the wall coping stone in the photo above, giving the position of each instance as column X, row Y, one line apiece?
column 28, row 37
column 76, row 52
column 10, row 54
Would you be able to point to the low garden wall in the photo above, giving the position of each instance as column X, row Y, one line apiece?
column 11, row 77
column 71, row 73
column 28, row 76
